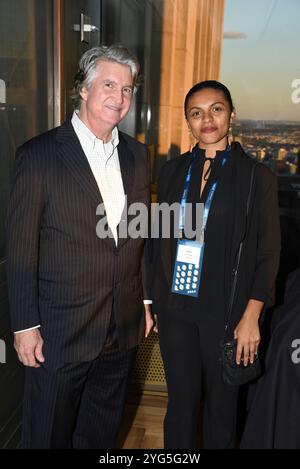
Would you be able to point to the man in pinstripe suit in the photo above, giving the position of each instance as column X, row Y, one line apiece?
column 76, row 299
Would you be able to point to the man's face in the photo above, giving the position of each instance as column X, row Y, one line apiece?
column 108, row 99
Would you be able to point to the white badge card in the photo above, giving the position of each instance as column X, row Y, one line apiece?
column 187, row 269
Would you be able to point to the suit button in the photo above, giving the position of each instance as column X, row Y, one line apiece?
column 116, row 251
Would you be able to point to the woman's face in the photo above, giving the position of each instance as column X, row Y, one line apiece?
column 208, row 116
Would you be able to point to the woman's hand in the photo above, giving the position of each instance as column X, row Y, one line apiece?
column 247, row 333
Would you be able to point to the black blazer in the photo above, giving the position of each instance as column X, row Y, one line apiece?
column 60, row 274
column 273, row 418
column 260, row 258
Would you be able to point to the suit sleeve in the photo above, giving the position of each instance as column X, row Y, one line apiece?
column 23, row 229
column 268, row 241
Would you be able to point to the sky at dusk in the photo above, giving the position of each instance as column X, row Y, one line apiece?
column 261, row 57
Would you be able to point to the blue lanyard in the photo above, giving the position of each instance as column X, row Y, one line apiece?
column 208, row 202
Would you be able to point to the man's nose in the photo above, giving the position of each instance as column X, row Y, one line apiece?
column 119, row 96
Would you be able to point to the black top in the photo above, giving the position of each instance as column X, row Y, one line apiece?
column 209, row 305
column 225, row 229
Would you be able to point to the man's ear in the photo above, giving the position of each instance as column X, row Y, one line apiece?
column 83, row 93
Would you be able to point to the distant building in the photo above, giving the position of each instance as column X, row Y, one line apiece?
column 282, row 152
column 262, row 154
column 239, row 139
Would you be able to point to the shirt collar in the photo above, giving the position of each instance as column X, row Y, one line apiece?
column 84, row 131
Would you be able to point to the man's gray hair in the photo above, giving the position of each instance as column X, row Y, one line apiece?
column 89, row 60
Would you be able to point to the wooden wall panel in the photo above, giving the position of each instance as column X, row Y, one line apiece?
column 191, row 52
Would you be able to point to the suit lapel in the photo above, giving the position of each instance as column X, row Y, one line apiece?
column 127, row 166
column 72, row 155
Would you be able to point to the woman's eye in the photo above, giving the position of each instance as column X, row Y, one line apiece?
column 216, row 109
column 196, row 114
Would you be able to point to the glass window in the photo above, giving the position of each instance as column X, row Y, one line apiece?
column 260, row 67
column 137, row 25
column 25, row 83
column 79, row 16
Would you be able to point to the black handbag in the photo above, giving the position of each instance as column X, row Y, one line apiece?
column 233, row 373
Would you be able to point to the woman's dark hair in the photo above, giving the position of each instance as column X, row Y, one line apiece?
column 209, row 84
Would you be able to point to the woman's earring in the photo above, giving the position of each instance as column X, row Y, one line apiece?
column 230, row 134
column 192, row 140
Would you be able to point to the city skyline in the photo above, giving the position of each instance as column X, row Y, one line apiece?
column 275, row 144
column 260, row 58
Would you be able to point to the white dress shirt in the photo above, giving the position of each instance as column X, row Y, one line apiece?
column 103, row 159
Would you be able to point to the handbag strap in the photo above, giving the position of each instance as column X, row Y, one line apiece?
column 235, row 270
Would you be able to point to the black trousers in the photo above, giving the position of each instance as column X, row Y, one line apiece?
column 78, row 406
column 190, row 353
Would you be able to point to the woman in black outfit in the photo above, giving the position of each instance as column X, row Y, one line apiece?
column 191, row 329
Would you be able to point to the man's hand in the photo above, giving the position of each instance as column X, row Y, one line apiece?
column 155, row 328
column 28, row 345
column 149, row 320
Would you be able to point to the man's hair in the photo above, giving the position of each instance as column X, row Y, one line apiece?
column 88, row 63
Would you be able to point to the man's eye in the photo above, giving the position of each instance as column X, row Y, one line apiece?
column 216, row 109
column 108, row 85
column 127, row 90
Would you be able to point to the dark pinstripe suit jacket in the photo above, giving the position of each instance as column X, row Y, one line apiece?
column 60, row 274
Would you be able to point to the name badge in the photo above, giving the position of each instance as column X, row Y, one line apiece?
column 187, row 269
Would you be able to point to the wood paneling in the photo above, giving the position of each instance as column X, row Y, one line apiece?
column 191, row 52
